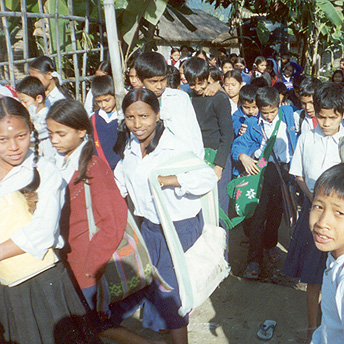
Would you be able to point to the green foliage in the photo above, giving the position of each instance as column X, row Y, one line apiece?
column 263, row 32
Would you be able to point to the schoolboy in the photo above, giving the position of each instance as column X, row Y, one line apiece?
column 214, row 118
column 305, row 119
column 247, row 108
column 105, row 120
column 31, row 93
column 263, row 225
column 176, row 109
column 316, row 151
column 327, row 226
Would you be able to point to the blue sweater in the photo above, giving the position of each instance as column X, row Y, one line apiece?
column 107, row 133
column 251, row 140
column 239, row 118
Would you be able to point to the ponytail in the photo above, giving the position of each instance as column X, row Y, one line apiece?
column 86, row 155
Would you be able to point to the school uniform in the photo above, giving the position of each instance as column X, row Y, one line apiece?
column 53, row 97
column 315, row 153
column 106, row 125
column 88, row 105
column 307, row 122
column 171, row 62
column 234, row 106
column 288, row 81
column 183, row 204
column 331, row 330
column 263, row 225
column 179, row 116
column 38, row 310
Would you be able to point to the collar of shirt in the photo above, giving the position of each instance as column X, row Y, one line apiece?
column 266, row 123
column 67, row 168
column 319, row 134
column 54, row 93
column 104, row 115
column 164, row 144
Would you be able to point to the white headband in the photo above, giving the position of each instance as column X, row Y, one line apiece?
column 58, row 76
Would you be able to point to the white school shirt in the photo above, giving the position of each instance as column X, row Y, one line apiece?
column 39, row 121
column 4, row 91
column 234, row 106
column 88, row 105
column 115, row 115
column 179, row 116
column 315, row 153
column 67, row 168
column 281, row 146
column 131, row 175
column 43, row 231
column 53, row 97
column 307, row 123
column 331, row 330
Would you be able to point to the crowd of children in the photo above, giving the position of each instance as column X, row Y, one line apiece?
column 53, row 149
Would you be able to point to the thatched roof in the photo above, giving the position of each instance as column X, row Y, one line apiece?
column 208, row 27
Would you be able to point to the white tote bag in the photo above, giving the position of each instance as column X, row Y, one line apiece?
column 202, row 268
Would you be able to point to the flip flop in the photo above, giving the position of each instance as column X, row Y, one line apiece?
column 266, row 330
column 274, row 255
column 252, row 271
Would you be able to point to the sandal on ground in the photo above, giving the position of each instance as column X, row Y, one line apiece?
column 274, row 255
column 252, row 271
column 266, row 330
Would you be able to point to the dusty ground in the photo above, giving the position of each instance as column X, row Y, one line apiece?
column 233, row 313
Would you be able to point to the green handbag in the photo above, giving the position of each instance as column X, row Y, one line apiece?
column 245, row 191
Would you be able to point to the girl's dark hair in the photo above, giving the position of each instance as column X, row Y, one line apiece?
column 201, row 52
column 149, row 65
column 329, row 95
column 133, row 96
column 227, row 61
column 72, row 114
column 102, row 85
column 247, row 94
column 281, row 88
column 239, row 59
column 45, row 65
column 105, row 67
column 215, row 74
column 32, row 87
column 173, row 50
column 270, row 64
column 331, row 181
column 233, row 74
column 173, row 77
column 259, row 82
column 11, row 107
column 267, row 96
column 196, row 68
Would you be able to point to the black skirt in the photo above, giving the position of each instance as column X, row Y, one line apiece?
column 44, row 310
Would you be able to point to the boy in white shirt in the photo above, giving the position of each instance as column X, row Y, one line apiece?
column 327, row 226
column 31, row 93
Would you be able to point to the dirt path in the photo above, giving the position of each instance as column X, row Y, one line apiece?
column 233, row 313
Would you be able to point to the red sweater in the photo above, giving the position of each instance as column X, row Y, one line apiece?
column 110, row 215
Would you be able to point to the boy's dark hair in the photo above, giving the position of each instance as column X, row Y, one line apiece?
column 329, row 95
column 247, row 94
column 331, row 181
column 196, row 68
column 149, row 65
column 105, row 67
column 32, row 87
column 267, row 96
column 102, row 85
column 297, row 81
column 173, row 77
column 215, row 74
column 308, row 86
column 259, row 82
column 281, row 88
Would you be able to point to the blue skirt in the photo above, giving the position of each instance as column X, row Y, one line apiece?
column 160, row 308
column 304, row 260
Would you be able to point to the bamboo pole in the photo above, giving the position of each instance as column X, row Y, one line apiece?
column 75, row 57
column 45, row 39
column 115, row 57
column 58, row 48
column 25, row 35
column 85, row 55
column 8, row 46
column 101, row 40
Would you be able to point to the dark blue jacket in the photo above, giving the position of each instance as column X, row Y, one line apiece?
column 251, row 140
column 239, row 118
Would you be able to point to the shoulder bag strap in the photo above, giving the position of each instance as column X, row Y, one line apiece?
column 90, row 218
column 97, row 144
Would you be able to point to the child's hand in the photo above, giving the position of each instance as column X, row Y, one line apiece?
column 249, row 164
column 243, row 129
column 168, row 181
column 212, row 89
column 218, row 170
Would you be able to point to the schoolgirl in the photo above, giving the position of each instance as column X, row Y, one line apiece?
column 71, row 134
column 44, row 69
column 37, row 308
column 240, row 65
column 288, row 75
column 174, row 58
column 232, row 85
column 147, row 145
column 259, row 69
